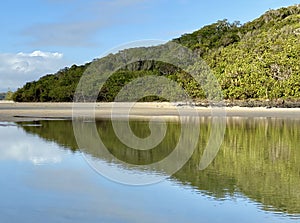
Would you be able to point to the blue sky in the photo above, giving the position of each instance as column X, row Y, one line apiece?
column 42, row 36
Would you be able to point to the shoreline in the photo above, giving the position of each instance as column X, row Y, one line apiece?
column 16, row 112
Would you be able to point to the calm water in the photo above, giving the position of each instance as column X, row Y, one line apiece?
column 254, row 178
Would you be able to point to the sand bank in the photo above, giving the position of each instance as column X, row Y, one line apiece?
column 13, row 112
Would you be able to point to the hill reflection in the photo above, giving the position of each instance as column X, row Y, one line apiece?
column 259, row 158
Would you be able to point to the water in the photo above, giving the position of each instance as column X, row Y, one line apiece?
column 254, row 178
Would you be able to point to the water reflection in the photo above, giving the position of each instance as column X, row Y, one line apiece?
column 259, row 158
column 23, row 149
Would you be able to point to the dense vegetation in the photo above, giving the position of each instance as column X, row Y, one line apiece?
column 54, row 87
column 7, row 96
column 257, row 60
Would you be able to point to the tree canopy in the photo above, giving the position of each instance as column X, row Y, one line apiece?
column 257, row 60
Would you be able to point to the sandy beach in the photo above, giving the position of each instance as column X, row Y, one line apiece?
column 14, row 112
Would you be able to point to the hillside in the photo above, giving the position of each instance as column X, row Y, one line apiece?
column 257, row 60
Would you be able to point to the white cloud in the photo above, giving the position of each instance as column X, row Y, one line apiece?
column 17, row 69
column 38, row 53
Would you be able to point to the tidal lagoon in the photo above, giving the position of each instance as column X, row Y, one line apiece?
column 255, row 176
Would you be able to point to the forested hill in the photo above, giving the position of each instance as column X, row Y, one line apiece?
column 257, row 60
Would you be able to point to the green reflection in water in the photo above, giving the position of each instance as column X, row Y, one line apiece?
column 259, row 158
column 141, row 129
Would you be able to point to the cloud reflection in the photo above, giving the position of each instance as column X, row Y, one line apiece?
column 18, row 146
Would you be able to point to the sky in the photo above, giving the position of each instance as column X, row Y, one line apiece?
column 39, row 37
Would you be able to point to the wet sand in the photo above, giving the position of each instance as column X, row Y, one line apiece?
column 14, row 112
